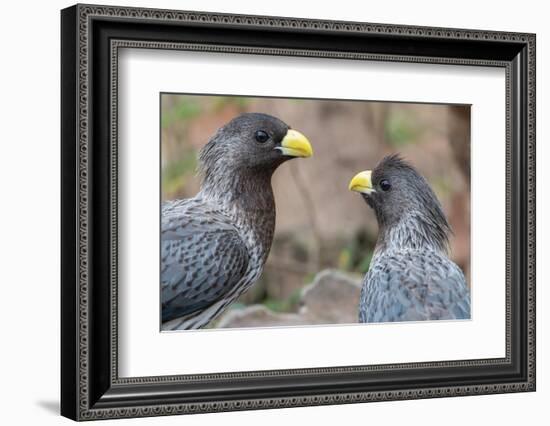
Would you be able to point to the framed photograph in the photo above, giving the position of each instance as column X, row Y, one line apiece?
column 263, row 212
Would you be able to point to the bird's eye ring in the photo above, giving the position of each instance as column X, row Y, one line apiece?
column 385, row 185
column 261, row 136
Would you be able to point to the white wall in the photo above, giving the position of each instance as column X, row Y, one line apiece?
column 29, row 225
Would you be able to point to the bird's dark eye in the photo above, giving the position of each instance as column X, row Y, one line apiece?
column 261, row 136
column 385, row 185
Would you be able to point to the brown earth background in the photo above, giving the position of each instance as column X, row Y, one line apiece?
column 320, row 224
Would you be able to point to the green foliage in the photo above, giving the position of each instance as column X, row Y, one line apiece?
column 309, row 277
column 284, row 305
column 401, row 128
column 294, row 298
column 220, row 102
column 357, row 254
column 344, row 259
column 363, row 266
column 237, row 305
column 442, row 185
column 185, row 109
column 175, row 173
column 354, row 261
column 276, row 305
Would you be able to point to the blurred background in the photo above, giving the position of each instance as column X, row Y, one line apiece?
column 325, row 234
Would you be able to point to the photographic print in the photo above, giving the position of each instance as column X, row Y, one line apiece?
column 293, row 212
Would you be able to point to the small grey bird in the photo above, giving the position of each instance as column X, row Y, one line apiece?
column 214, row 246
column 410, row 277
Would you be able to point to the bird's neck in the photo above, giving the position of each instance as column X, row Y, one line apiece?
column 245, row 190
column 249, row 201
column 412, row 232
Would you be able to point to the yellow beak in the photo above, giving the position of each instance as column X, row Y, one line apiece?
column 362, row 182
column 294, row 144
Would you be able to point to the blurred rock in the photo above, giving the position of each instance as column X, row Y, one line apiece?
column 259, row 316
column 332, row 298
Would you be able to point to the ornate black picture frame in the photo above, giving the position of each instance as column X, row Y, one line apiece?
column 91, row 36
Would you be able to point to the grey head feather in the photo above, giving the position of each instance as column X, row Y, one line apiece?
column 409, row 213
column 233, row 161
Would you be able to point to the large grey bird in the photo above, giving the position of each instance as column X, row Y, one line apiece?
column 410, row 277
column 214, row 246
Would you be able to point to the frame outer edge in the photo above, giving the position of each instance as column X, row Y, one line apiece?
column 80, row 207
column 531, row 200
column 69, row 191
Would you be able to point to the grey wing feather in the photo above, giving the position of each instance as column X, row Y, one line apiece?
column 414, row 286
column 202, row 258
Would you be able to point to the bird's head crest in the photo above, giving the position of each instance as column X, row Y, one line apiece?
column 398, row 193
column 243, row 154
